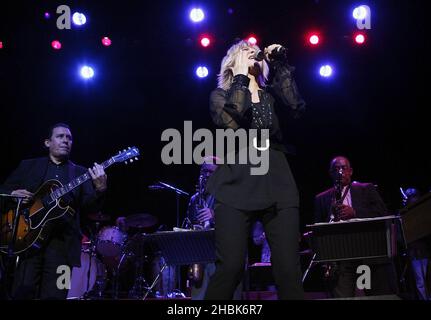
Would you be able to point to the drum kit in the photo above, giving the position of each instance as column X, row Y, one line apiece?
column 109, row 254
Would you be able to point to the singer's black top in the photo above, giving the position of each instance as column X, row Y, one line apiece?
column 233, row 184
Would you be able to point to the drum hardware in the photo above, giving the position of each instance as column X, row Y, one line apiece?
column 110, row 241
column 137, row 247
column 140, row 285
column 97, row 291
column 88, row 283
column 140, row 221
column 99, row 217
column 156, row 279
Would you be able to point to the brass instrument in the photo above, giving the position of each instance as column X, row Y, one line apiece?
column 337, row 200
column 195, row 271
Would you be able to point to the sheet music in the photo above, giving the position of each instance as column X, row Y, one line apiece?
column 353, row 220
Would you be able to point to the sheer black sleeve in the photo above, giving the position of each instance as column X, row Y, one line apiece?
column 284, row 88
column 230, row 109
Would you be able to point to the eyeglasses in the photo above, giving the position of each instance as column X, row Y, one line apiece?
column 337, row 168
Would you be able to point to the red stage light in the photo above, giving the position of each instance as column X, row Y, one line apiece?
column 314, row 39
column 359, row 38
column 252, row 40
column 1, row 44
column 106, row 41
column 56, row 45
column 205, row 42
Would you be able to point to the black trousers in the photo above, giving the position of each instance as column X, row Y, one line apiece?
column 232, row 232
column 36, row 275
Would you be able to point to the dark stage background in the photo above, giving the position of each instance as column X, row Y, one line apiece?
column 373, row 110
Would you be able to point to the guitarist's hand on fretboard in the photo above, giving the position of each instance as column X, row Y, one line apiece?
column 99, row 177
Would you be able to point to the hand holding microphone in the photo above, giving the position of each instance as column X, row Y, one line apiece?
column 275, row 52
column 241, row 63
column 271, row 53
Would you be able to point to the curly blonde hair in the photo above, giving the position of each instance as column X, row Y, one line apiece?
column 225, row 77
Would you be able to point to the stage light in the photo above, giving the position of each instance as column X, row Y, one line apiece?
column 202, row 71
column 197, row 15
column 1, row 44
column 252, row 40
column 360, row 13
column 325, row 71
column 314, row 39
column 56, row 45
column 106, row 41
column 79, row 19
column 47, row 15
column 205, row 42
column 359, row 38
column 87, row 72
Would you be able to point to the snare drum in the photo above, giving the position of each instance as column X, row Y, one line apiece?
column 110, row 241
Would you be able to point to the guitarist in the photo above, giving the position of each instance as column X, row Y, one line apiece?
column 36, row 274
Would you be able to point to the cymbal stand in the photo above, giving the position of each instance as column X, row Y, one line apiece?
column 92, row 252
column 156, row 279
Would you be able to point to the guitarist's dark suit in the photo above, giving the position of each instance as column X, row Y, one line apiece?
column 64, row 244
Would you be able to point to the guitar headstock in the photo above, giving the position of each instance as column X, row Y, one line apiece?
column 127, row 155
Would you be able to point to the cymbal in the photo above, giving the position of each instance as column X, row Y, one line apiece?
column 99, row 216
column 141, row 220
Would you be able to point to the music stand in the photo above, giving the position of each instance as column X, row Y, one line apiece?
column 416, row 218
column 9, row 249
column 354, row 239
column 178, row 192
column 183, row 247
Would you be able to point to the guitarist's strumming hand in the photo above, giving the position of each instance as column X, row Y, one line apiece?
column 28, row 196
column 99, row 177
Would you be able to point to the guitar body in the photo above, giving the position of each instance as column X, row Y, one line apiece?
column 35, row 221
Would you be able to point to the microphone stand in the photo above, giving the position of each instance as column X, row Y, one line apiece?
column 178, row 192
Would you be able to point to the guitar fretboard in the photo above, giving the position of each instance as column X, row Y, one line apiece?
column 58, row 193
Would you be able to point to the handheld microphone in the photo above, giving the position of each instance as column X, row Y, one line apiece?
column 276, row 54
column 259, row 55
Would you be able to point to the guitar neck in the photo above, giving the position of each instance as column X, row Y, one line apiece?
column 58, row 193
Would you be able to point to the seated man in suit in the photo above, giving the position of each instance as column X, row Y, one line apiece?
column 348, row 200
